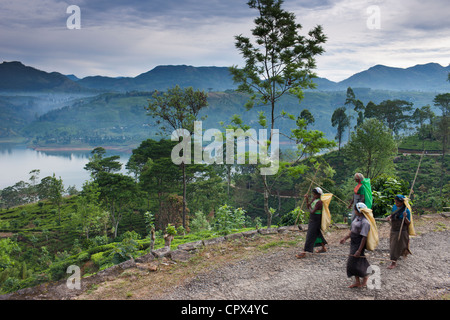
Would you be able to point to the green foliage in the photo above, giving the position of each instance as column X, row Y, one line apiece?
column 125, row 249
column 280, row 60
column 171, row 230
column 199, row 222
column 291, row 217
column 226, row 219
column 384, row 190
column 149, row 219
column 372, row 148
column 341, row 121
column 392, row 113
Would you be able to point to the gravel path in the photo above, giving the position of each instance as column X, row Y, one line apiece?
column 276, row 274
column 279, row 275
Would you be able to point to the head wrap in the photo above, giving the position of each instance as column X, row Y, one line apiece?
column 359, row 176
column 318, row 190
column 360, row 206
column 400, row 197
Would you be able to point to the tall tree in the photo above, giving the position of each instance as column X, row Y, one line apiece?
column 307, row 115
column 358, row 106
column 118, row 192
column 372, row 148
column 56, row 192
column 419, row 117
column 340, row 120
column 279, row 61
column 89, row 215
column 443, row 102
column 98, row 163
column 178, row 109
column 393, row 113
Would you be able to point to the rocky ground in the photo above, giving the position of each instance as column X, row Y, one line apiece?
column 264, row 267
column 279, row 275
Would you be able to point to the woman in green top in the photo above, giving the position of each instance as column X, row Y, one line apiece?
column 358, row 194
column 314, row 237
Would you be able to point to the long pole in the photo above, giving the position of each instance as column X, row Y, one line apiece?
column 309, row 189
column 410, row 192
column 328, row 191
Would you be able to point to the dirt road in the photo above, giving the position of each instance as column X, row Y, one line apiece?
column 265, row 268
column 279, row 275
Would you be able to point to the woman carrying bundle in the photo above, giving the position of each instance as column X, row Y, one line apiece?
column 400, row 229
column 357, row 264
column 314, row 235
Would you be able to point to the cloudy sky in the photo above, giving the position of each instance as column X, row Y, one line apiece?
column 129, row 37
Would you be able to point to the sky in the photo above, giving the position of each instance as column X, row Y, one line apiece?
column 130, row 37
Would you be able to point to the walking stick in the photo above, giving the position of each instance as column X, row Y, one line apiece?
column 410, row 192
column 303, row 202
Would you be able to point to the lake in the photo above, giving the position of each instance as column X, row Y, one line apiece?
column 16, row 162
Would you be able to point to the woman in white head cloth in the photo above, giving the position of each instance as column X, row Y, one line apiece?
column 314, row 237
column 357, row 264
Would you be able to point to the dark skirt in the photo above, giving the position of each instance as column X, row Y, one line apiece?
column 357, row 266
column 399, row 247
column 314, row 237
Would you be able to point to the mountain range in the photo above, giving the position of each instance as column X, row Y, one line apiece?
column 14, row 76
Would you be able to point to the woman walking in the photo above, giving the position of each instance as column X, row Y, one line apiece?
column 314, row 235
column 357, row 264
column 358, row 194
column 399, row 238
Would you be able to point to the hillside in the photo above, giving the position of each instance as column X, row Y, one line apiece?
column 29, row 93
column 16, row 77
column 428, row 77
column 263, row 267
column 120, row 118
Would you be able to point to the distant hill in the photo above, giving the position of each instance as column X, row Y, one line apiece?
column 163, row 77
column 120, row 118
column 427, row 77
column 106, row 104
column 14, row 76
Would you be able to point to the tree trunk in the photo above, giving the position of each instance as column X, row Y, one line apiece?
column 153, row 238
column 167, row 240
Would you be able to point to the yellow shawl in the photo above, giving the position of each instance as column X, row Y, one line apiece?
column 326, row 215
column 372, row 237
column 411, row 230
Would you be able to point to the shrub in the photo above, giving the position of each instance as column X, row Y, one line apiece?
column 227, row 219
column 384, row 190
column 199, row 222
column 289, row 219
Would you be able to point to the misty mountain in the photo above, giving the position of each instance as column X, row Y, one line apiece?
column 427, row 77
column 163, row 77
column 16, row 77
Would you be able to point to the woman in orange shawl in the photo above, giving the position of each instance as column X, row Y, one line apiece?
column 358, row 194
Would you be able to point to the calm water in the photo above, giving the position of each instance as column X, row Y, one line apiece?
column 16, row 162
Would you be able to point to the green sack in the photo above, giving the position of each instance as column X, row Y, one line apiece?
column 367, row 192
